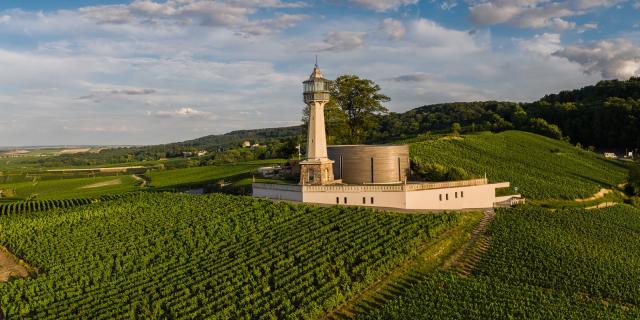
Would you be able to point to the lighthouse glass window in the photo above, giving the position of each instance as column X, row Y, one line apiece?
column 320, row 85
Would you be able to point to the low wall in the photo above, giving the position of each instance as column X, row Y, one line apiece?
column 455, row 195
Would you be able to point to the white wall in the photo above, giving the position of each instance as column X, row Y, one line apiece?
column 380, row 198
column 470, row 197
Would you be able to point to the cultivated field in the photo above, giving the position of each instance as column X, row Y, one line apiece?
column 571, row 264
column 216, row 256
column 540, row 167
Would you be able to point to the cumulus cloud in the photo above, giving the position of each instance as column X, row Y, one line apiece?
column 185, row 112
column 428, row 33
column 587, row 26
column 533, row 13
column 341, row 41
column 284, row 20
column 618, row 58
column 543, row 44
column 234, row 14
column 393, row 28
column 383, row 5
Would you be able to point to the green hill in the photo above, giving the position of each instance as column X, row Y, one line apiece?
column 541, row 168
column 568, row 264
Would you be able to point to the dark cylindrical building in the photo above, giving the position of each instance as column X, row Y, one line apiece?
column 370, row 164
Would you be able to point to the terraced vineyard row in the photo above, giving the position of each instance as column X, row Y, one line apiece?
column 591, row 252
column 568, row 264
column 24, row 207
column 540, row 167
column 216, row 256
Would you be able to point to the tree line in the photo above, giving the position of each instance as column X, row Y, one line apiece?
column 606, row 115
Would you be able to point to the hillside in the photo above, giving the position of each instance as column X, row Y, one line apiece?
column 569, row 264
column 173, row 256
column 541, row 168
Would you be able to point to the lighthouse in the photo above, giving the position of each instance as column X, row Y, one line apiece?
column 316, row 169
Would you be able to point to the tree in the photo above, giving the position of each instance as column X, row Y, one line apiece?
column 360, row 102
column 633, row 185
column 456, row 128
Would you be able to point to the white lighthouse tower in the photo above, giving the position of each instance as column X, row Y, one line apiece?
column 316, row 169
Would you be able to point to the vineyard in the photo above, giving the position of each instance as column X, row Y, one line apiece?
column 198, row 176
column 571, row 264
column 25, row 207
column 216, row 256
column 540, row 167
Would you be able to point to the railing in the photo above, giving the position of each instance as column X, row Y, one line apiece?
column 369, row 188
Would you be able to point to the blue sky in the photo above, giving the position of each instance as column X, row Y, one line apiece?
column 155, row 71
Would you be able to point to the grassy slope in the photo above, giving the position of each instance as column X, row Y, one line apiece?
column 540, row 167
column 571, row 264
column 71, row 188
column 202, row 175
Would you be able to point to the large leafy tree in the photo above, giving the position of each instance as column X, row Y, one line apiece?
column 360, row 103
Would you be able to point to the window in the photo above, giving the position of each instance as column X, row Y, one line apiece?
column 461, row 194
column 337, row 200
column 456, row 195
column 345, row 200
column 440, row 197
column 364, row 200
column 371, row 200
column 447, row 196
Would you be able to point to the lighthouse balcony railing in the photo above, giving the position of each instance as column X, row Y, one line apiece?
column 374, row 188
column 316, row 96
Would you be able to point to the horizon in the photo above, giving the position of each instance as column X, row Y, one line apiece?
column 154, row 72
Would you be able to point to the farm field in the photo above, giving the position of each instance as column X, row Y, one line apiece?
column 571, row 264
column 72, row 188
column 196, row 176
column 193, row 257
column 541, row 168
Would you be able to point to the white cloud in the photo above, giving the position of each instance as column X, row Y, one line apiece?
column 383, row 5
column 341, row 41
column 167, row 70
column 619, row 58
column 587, row 26
column 448, row 4
column 185, row 112
column 430, row 34
column 533, row 13
column 394, row 29
column 544, row 44
column 5, row 19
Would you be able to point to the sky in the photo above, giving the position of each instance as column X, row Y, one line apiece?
column 90, row 72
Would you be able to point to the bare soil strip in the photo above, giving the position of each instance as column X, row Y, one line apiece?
column 113, row 182
column 430, row 256
column 143, row 181
column 470, row 254
column 602, row 205
column 11, row 266
column 603, row 192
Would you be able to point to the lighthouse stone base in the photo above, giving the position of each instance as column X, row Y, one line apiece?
column 316, row 172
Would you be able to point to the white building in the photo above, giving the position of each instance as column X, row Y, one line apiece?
column 375, row 175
